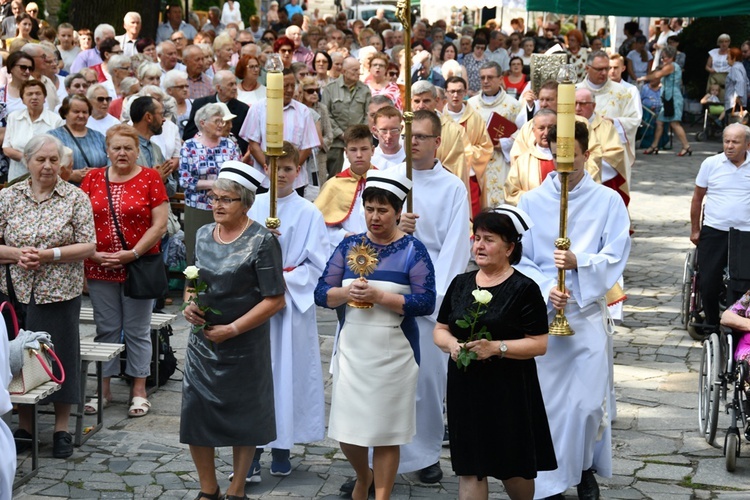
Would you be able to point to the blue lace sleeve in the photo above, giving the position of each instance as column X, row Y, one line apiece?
column 333, row 274
column 421, row 300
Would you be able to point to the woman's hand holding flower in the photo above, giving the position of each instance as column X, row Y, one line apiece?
column 483, row 347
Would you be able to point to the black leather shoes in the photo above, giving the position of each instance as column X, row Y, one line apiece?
column 588, row 489
column 348, row 487
column 432, row 474
column 62, row 444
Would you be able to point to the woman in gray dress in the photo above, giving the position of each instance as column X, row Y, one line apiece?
column 240, row 261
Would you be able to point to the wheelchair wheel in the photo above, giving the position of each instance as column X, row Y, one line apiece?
column 731, row 450
column 708, row 389
column 687, row 289
column 700, row 136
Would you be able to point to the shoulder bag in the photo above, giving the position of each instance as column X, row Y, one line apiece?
column 668, row 103
column 145, row 277
column 37, row 365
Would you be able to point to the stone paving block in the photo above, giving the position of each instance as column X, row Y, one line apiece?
column 663, row 471
column 713, row 472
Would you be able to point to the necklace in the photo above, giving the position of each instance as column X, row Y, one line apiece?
column 498, row 280
column 218, row 233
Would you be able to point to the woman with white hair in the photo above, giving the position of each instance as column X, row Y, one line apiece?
column 149, row 74
column 223, row 47
column 118, row 68
column 100, row 119
column 717, row 64
column 201, row 159
column 175, row 83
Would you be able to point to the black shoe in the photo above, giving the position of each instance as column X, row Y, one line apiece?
column 23, row 440
column 62, row 444
column 348, row 487
column 559, row 496
column 432, row 474
column 587, row 488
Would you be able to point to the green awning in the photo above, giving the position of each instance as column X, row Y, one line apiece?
column 641, row 8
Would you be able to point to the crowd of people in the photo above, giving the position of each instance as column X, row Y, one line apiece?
column 112, row 126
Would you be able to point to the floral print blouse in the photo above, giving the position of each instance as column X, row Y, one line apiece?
column 65, row 218
column 198, row 162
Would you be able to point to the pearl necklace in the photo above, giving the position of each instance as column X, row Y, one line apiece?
column 218, row 233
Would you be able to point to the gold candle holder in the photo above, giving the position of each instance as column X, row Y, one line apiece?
column 403, row 13
column 274, row 129
column 272, row 221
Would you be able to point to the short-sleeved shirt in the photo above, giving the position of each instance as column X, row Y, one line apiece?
column 727, row 193
column 640, row 67
column 65, row 218
column 198, row 162
column 92, row 144
column 133, row 201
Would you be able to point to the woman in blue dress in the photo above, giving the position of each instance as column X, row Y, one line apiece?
column 375, row 365
column 671, row 89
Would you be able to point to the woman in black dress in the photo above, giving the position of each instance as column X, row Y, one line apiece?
column 496, row 418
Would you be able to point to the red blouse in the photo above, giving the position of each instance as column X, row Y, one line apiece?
column 517, row 86
column 133, row 201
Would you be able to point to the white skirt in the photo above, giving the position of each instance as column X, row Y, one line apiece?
column 373, row 398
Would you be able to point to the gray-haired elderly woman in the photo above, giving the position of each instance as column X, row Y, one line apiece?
column 101, row 103
column 219, row 407
column 149, row 73
column 201, row 159
column 46, row 268
column 176, row 85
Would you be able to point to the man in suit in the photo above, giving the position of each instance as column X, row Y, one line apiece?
column 132, row 25
column 225, row 84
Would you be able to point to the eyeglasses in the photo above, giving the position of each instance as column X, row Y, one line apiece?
column 455, row 91
column 377, row 65
column 303, row 74
column 253, row 67
column 80, row 85
column 420, row 137
column 285, row 51
column 389, row 131
column 311, row 91
column 183, row 87
column 24, row 67
column 393, row 73
column 104, row 99
column 600, row 70
column 268, row 39
column 487, row 77
column 213, row 200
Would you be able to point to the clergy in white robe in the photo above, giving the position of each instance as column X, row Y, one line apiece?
column 493, row 99
column 614, row 102
column 574, row 373
column 295, row 353
column 387, row 128
column 441, row 202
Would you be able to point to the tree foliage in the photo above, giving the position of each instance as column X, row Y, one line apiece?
column 700, row 37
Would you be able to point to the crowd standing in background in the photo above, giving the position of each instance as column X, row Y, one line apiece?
column 147, row 115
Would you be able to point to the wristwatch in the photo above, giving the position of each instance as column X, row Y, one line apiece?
column 503, row 349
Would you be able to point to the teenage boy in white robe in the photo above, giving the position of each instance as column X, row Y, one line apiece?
column 295, row 352
column 574, row 373
column 441, row 221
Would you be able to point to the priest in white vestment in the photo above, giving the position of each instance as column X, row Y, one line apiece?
column 574, row 373
column 523, row 139
column 493, row 99
column 295, row 353
column 441, row 222
column 613, row 102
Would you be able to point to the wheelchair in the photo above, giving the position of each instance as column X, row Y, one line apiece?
column 722, row 382
column 692, row 318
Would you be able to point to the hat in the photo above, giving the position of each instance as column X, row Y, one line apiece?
column 390, row 180
column 241, row 173
column 226, row 115
column 521, row 220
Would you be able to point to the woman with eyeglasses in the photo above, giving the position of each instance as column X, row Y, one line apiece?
column 269, row 37
column 378, row 81
column 88, row 146
column 175, row 82
column 33, row 119
column 20, row 67
column 101, row 103
column 201, row 159
column 250, row 90
column 309, row 95
column 322, row 64
column 472, row 62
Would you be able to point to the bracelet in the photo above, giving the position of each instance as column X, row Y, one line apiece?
column 56, row 254
column 137, row 255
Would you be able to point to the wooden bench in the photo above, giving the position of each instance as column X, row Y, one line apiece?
column 32, row 398
column 158, row 321
column 98, row 352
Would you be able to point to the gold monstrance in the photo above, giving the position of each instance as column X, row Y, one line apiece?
column 362, row 259
column 565, row 155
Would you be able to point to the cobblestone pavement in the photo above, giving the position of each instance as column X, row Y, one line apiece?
column 658, row 451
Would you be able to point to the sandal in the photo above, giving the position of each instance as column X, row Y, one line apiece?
column 139, row 407
column 651, row 151
column 215, row 496
column 92, row 407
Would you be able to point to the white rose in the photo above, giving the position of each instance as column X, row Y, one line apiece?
column 482, row 296
column 191, row 272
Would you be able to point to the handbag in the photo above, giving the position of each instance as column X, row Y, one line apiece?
column 37, row 365
column 145, row 277
column 668, row 107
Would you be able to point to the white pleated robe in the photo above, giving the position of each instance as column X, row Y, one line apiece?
column 574, row 373
column 295, row 352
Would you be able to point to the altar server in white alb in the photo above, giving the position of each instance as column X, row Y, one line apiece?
column 441, row 222
column 295, row 352
column 574, row 373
